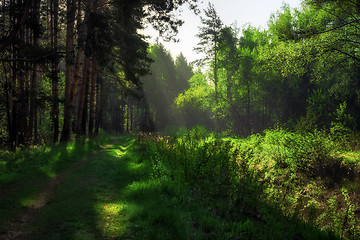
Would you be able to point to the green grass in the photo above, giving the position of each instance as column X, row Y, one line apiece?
column 279, row 185
column 119, row 195
column 24, row 173
column 201, row 186
column 115, row 196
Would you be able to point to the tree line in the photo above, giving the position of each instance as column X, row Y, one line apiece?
column 301, row 72
column 62, row 60
column 80, row 67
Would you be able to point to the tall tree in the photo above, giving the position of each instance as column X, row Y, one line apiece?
column 54, row 5
column 69, row 68
column 183, row 71
column 209, row 41
column 229, row 62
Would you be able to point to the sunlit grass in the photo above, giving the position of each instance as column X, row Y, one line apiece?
column 28, row 201
column 112, row 221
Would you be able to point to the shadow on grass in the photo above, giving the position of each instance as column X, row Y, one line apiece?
column 84, row 206
column 25, row 173
column 175, row 210
column 115, row 196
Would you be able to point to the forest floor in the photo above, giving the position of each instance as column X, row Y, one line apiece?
column 108, row 194
column 17, row 227
column 120, row 188
column 83, row 202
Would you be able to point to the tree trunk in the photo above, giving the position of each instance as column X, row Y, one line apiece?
column 101, row 106
column 21, row 96
column 82, row 97
column 69, row 66
column 92, row 96
column 54, row 71
column 34, row 76
column 217, row 125
column 76, row 84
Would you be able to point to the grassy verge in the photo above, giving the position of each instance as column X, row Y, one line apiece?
column 24, row 173
column 279, row 185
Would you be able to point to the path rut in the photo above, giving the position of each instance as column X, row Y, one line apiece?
column 16, row 227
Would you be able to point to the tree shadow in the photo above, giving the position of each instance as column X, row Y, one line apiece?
column 82, row 205
column 32, row 172
column 116, row 196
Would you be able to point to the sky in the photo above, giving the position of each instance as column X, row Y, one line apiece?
column 242, row 12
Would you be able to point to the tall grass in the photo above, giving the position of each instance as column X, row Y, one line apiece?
column 280, row 184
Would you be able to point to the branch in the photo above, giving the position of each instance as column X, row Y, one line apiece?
column 347, row 54
column 332, row 29
column 31, row 59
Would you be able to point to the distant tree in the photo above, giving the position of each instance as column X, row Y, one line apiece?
column 197, row 102
column 209, row 43
column 159, row 86
column 229, row 63
column 183, row 73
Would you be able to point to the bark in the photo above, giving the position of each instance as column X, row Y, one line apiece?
column 69, row 66
column 54, row 70
column 34, row 77
column 92, row 96
column 100, row 111
column 20, row 120
column 76, row 84
column 83, row 92
column 82, row 97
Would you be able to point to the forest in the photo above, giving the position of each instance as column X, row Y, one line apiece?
column 104, row 135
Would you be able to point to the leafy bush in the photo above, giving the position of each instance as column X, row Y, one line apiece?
column 341, row 127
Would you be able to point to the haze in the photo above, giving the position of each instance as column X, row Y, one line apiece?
column 241, row 12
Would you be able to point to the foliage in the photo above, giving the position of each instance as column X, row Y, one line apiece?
column 167, row 80
column 341, row 127
column 296, row 72
column 251, row 179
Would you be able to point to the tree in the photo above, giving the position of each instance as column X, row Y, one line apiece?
column 229, row 63
column 183, row 73
column 197, row 102
column 54, row 9
column 69, row 68
column 209, row 41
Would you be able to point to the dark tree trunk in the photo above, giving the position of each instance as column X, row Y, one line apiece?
column 34, row 76
column 82, row 98
column 101, row 107
column 71, row 12
column 54, row 71
column 92, row 97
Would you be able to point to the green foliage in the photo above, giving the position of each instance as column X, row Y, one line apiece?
column 246, row 182
column 298, row 70
column 317, row 111
column 166, row 81
column 341, row 127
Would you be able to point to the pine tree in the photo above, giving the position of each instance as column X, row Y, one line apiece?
column 209, row 43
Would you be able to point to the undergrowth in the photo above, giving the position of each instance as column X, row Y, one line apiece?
column 278, row 185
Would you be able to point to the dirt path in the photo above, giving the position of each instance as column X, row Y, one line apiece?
column 16, row 227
